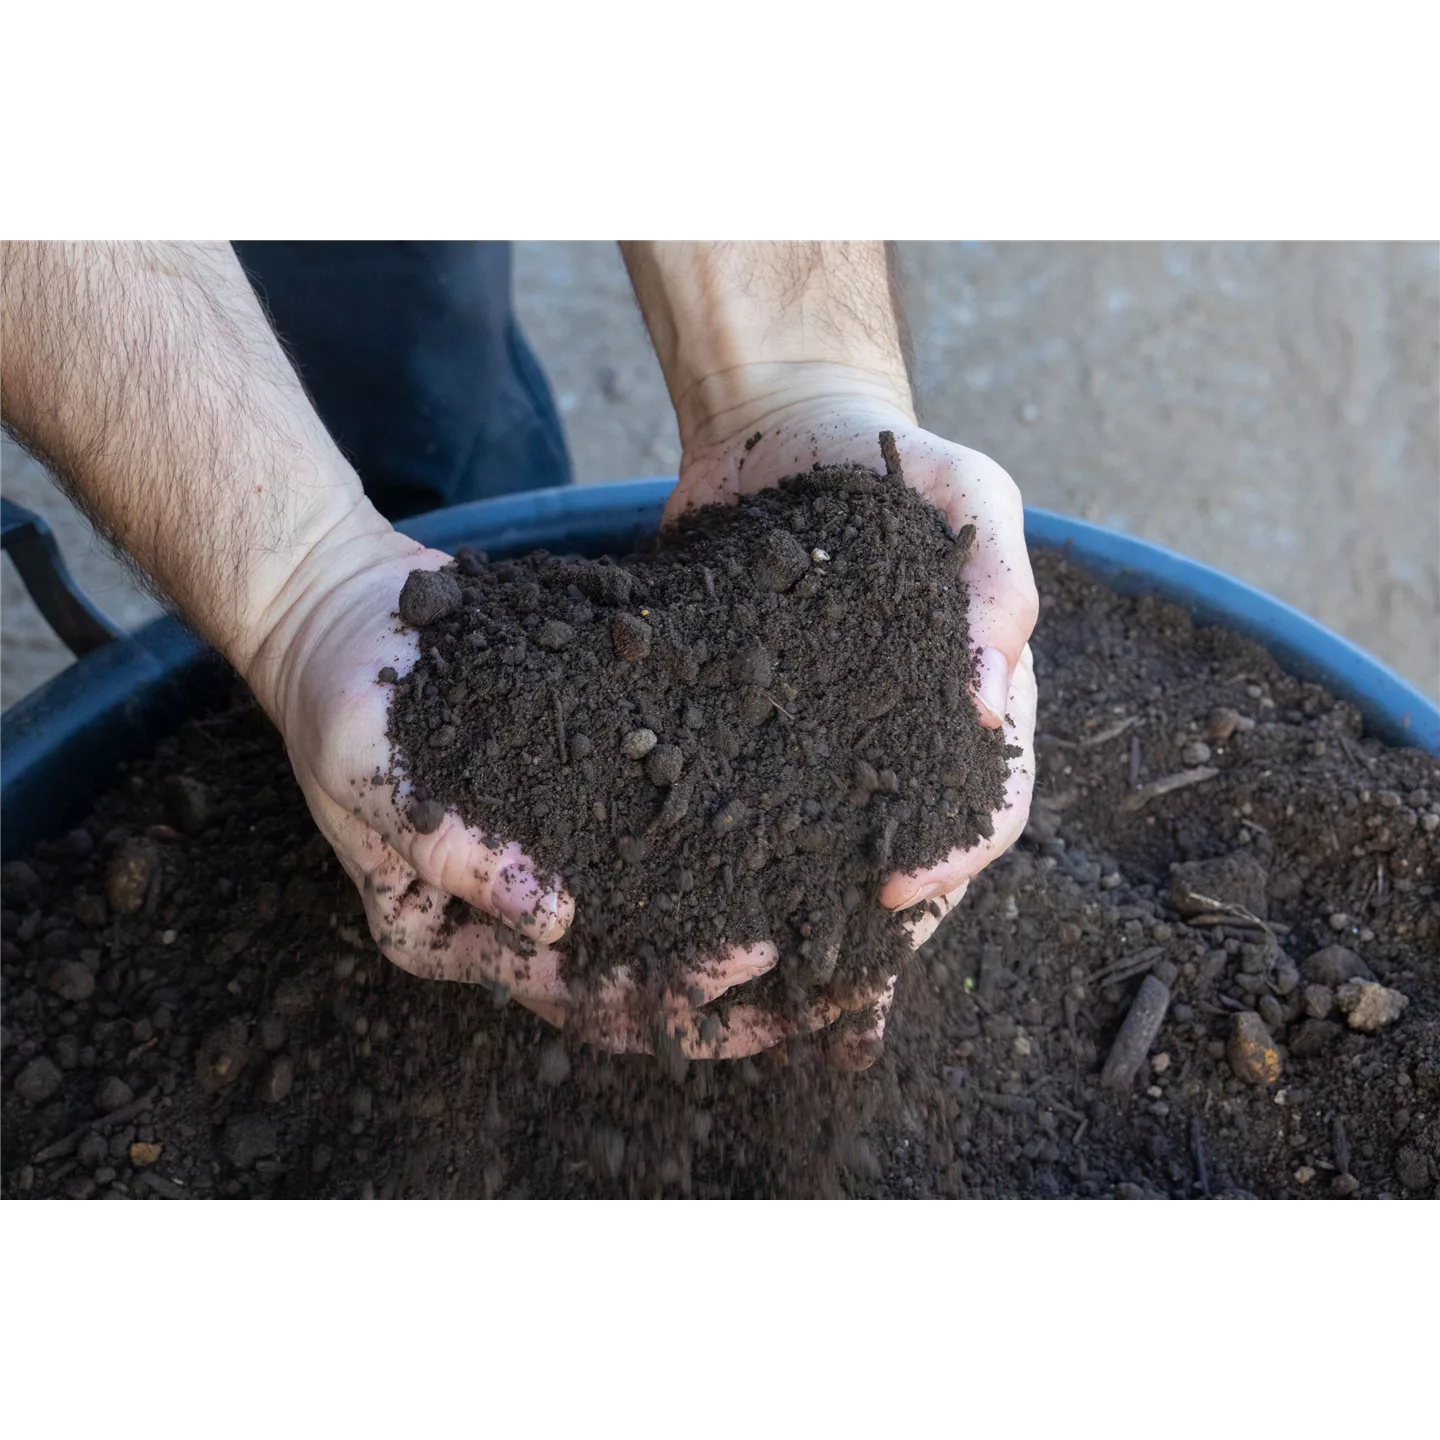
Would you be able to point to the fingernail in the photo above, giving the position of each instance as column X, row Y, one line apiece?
column 754, row 961
column 920, row 894
column 992, row 689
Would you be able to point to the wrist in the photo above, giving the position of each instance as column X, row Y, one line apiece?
column 728, row 407
column 346, row 543
column 744, row 331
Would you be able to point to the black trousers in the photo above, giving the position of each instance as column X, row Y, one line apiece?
column 413, row 358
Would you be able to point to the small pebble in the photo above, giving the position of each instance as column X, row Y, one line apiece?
column 631, row 637
column 112, row 1094
column 1343, row 1186
column 93, row 1150
column 426, row 815
column 1271, row 1011
column 1251, row 1052
column 554, row 635
column 127, row 879
column 427, row 596
column 663, row 765
column 1317, row 1001
column 144, row 1152
column 38, row 1081
column 1368, row 1006
column 72, row 981
column 1339, row 921
column 1197, row 752
column 1224, row 722
column 638, row 744
column 1305, row 1174
column 387, row 675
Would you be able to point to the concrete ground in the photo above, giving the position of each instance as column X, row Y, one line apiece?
column 1271, row 409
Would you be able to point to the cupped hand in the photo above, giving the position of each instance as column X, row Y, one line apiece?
column 968, row 488
column 321, row 683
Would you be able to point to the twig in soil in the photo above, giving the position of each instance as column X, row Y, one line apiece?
column 709, row 582
column 1110, row 732
column 777, row 704
column 1197, row 1149
column 1166, row 785
column 1222, row 918
column 891, row 456
column 1226, row 911
column 1137, row 1034
column 1134, row 761
column 1126, row 966
column 67, row 1143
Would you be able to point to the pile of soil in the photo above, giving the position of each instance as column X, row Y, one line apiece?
column 192, row 1006
column 736, row 737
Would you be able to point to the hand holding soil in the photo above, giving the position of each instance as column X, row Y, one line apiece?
column 741, row 739
column 980, row 501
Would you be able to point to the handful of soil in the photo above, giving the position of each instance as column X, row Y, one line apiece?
column 735, row 737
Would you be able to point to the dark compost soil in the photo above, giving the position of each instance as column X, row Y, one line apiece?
column 1071, row 1030
column 733, row 738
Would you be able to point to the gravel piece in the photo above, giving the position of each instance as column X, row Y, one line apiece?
column 1250, row 1050
column 1368, row 1006
column 1334, row 965
column 39, row 1080
column 631, row 637
column 71, row 980
column 428, row 596
column 128, row 876
column 112, row 1094
column 638, row 744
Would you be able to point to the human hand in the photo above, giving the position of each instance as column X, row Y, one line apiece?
column 317, row 674
column 968, row 488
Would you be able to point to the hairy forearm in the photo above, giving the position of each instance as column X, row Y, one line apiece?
column 147, row 378
column 745, row 330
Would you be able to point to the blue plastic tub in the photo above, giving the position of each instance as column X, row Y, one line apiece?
column 59, row 746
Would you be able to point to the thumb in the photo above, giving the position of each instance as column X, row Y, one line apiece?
column 1003, row 602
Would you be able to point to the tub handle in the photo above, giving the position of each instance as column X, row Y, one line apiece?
column 30, row 543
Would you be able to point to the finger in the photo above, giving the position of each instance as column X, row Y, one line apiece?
column 1004, row 604
column 416, row 927
column 690, row 989
column 959, row 866
column 454, row 858
column 927, row 919
column 852, row 998
column 858, row 1048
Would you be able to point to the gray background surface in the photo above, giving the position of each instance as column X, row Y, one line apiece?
column 1271, row 409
